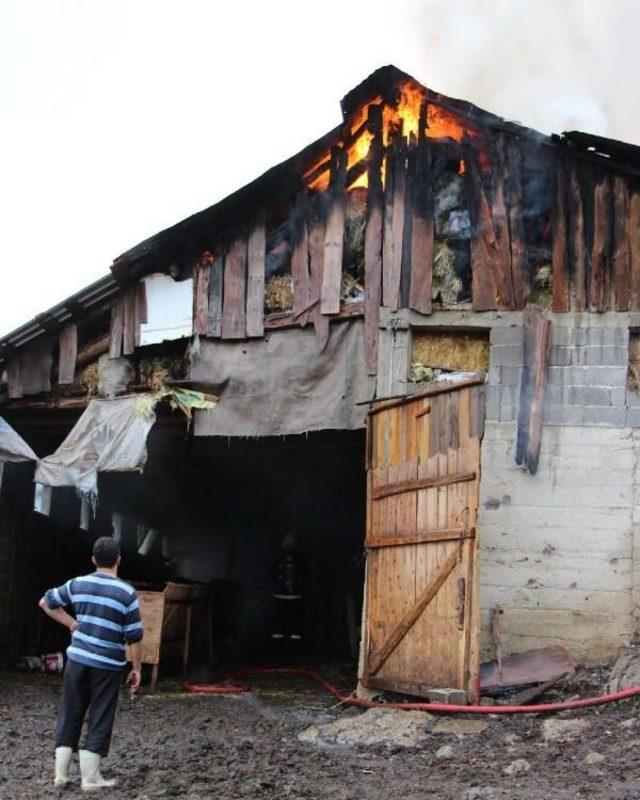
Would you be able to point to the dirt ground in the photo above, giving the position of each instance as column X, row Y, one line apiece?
column 175, row 746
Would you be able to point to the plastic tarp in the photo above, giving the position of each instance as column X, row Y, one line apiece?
column 12, row 446
column 110, row 436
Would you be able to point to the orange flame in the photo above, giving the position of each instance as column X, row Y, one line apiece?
column 440, row 124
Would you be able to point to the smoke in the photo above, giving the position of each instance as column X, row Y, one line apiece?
column 553, row 65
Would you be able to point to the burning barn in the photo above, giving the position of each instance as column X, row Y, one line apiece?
column 408, row 355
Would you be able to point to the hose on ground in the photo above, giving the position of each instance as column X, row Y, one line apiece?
column 543, row 708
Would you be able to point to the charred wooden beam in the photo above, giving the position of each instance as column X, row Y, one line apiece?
column 519, row 268
column 300, row 262
column 621, row 255
column 537, row 346
column 600, row 268
column 256, row 257
column 409, row 190
column 422, row 226
column 315, row 241
column 93, row 350
column 392, row 255
column 373, row 242
column 502, row 260
column 559, row 251
column 483, row 244
column 334, row 234
column 235, row 274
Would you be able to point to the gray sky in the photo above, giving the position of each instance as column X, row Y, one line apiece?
column 120, row 117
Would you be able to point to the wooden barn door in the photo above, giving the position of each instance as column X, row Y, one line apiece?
column 421, row 619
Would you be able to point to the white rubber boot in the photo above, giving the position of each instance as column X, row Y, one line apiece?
column 63, row 759
column 90, row 772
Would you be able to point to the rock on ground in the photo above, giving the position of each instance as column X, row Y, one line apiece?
column 563, row 730
column 626, row 671
column 375, row 726
column 594, row 758
column 446, row 751
column 518, row 767
column 461, row 727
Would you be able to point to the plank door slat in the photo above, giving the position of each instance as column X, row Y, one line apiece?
column 68, row 347
column 233, row 308
column 256, row 256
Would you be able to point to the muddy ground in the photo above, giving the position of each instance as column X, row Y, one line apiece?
column 176, row 746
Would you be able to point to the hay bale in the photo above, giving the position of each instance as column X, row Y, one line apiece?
column 89, row 378
column 460, row 351
column 278, row 293
column 446, row 282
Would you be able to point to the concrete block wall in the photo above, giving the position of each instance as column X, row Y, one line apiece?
column 559, row 547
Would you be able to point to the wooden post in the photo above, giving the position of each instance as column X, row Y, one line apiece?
column 233, row 309
column 129, row 332
column 559, row 252
column 621, row 258
column 392, row 260
column 334, row 234
column 373, row 242
column 256, row 255
column 68, row 347
column 422, row 226
column 599, row 278
column 187, row 641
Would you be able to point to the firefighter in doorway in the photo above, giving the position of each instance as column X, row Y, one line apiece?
column 288, row 595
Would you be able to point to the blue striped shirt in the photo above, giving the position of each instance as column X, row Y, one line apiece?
column 108, row 616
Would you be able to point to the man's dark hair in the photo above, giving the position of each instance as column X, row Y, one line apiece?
column 106, row 551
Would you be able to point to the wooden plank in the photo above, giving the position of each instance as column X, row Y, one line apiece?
column 423, row 225
column 621, row 255
column 409, row 619
column 559, row 250
column 68, row 352
column 633, row 227
column 393, row 248
column 599, row 278
column 334, row 235
column 502, row 260
column 214, row 314
column 373, row 242
column 14, row 378
column 387, row 232
column 93, row 350
column 116, row 329
column 519, row 263
column 300, row 277
column 537, row 346
column 405, row 539
column 425, row 483
column 577, row 248
column 129, row 328
column 233, row 308
column 315, row 237
column 483, row 246
column 202, row 275
column 407, row 229
column 256, row 257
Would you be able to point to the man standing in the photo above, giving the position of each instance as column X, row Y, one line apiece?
column 107, row 617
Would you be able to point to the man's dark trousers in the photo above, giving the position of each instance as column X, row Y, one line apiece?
column 93, row 689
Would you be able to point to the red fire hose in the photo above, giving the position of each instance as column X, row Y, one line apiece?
column 543, row 708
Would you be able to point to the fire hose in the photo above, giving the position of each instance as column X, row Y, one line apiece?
column 543, row 708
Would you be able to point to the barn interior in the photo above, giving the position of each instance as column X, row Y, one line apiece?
column 214, row 511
